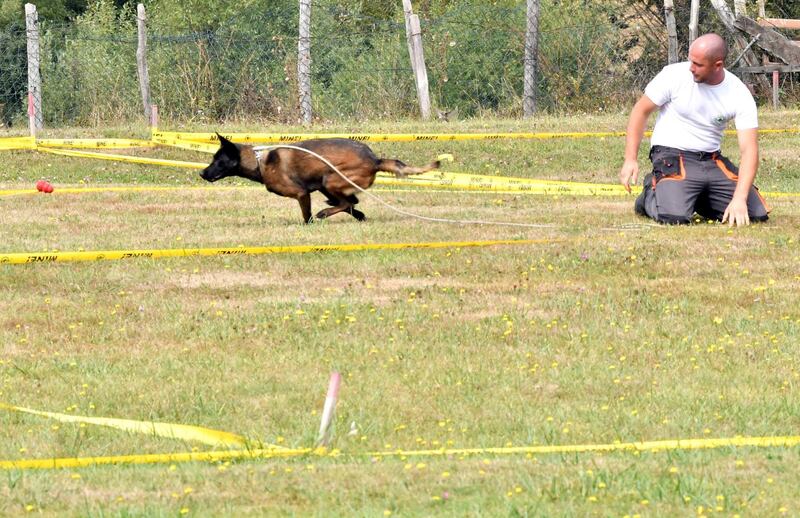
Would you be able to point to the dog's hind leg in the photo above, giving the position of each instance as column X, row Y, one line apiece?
column 353, row 211
column 356, row 213
column 342, row 206
column 333, row 201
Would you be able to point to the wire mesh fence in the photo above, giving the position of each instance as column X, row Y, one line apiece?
column 592, row 56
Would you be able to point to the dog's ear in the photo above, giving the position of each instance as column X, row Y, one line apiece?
column 224, row 142
column 228, row 147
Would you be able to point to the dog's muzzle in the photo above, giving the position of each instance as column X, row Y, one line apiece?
column 208, row 176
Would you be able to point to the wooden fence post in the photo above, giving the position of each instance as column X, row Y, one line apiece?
column 672, row 32
column 304, row 61
column 414, row 36
column 141, row 60
column 531, row 59
column 36, row 120
column 762, row 13
column 694, row 16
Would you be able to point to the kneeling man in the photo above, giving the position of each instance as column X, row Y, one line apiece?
column 696, row 99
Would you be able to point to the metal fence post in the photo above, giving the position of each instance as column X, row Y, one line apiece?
column 34, row 76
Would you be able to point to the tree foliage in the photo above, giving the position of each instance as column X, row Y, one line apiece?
column 220, row 59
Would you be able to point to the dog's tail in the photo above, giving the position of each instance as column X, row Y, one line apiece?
column 400, row 169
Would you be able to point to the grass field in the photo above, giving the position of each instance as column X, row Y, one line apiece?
column 608, row 330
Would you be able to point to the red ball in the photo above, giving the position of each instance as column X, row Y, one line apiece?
column 40, row 185
column 48, row 188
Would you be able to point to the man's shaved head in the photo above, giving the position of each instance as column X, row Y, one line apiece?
column 707, row 58
column 711, row 46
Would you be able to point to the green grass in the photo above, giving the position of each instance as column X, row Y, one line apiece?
column 615, row 332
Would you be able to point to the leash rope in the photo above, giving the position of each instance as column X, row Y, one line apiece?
column 395, row 209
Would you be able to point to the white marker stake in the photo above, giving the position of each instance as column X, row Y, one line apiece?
column 31, row 115
column 153, row 117
column 329, row 409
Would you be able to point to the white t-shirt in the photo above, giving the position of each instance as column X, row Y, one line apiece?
column 694, row 115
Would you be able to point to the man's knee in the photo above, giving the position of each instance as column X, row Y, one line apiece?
column 672, row 219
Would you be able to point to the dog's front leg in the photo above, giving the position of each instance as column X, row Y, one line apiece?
column 305, row 206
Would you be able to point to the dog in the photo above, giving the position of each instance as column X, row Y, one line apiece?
column 296, row 174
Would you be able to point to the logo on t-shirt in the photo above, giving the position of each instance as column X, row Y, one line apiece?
column 719, row 120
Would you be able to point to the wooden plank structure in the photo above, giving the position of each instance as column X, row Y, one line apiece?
column 727, row 18
column 764, row 34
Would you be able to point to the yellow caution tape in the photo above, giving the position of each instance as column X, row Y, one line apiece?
column 94, row 143
column 168, row 430
column 107, row 255
column 251, row 138
column 490, row 183
column 191, row 145
column 196, row 141
column 534, row 187
column 14, row 143
column 218, row 456
column 156, row 458
column 77, row 143
column 439, row 179
column 124, row 158
column 655, row 446
column 770, row 130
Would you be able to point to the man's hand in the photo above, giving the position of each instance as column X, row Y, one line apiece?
column 633, row 137
column 736, row 213
column 629, row 171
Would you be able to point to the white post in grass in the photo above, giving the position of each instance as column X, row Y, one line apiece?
column 35, row 118
column 141, row 60
column 531, row 59
column 324, row 437
column 414, row 36
column 304, row 61
column 153, row 117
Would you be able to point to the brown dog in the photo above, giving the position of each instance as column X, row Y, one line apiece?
column 296, row 174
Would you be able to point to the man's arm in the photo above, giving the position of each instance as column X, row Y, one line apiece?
column 633, row 138
column 736, row 213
